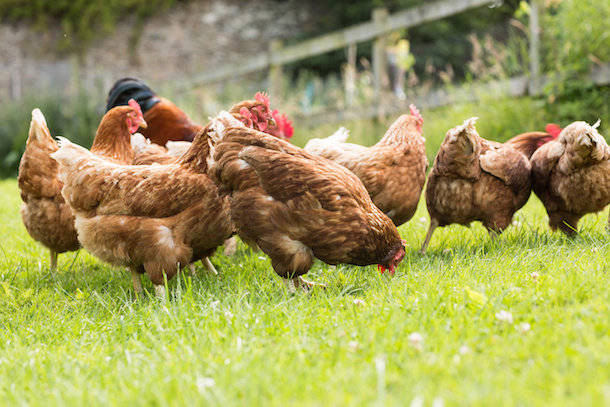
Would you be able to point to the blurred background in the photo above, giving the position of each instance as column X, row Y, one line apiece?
column 517, row 65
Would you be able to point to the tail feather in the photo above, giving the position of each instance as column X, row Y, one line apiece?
column 217, row 129
column 38, row 127
column 464, row 132
column 220, row 124
column 68, row 152
column 131, row 88
column 528, row 143
column 177, row 148
column 139, row 143
column 586, row 141
column 339, row 136
column 320, row 145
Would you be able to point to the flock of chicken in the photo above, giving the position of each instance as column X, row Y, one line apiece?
column 161, row 200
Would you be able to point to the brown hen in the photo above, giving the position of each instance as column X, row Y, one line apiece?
column 475, row 179
column 46, row 216
column 152, row 219
column 296, row 206
column 571, row 175
column 393, row 170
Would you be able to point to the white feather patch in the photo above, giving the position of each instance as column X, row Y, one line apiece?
column 165, row 237
column 38, row 117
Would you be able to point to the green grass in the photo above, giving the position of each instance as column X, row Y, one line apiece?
column 80, row 336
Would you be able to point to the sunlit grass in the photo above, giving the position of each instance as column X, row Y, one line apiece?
column 81, row 337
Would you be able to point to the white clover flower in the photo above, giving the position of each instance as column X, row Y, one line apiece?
column 359, row 302
column 534, row 275
column 464, row 350
column 504, row 316
column 353, row 346
column 524, row 327
column 416, row 340
column 204, row 383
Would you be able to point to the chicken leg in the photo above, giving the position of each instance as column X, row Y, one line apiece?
column 192, row 269
column 208, row 265
column 136, row 281
column 433, row 225
column 53, row 265
column 160, row 291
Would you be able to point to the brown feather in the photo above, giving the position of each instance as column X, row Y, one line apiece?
column 393, row 171
column 474, row 179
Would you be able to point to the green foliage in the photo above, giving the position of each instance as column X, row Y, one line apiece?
column 81, row 21
column 76, row 118
column 575, row 35
column 80, row 337
column 576, row 38
column 439, row 43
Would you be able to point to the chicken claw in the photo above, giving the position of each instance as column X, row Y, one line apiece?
column 293, row 284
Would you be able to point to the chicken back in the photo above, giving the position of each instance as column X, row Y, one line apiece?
column 393, row 171
column 296, row 206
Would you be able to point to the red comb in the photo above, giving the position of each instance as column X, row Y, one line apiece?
column 283, row 124
column 135, row 106
column 415, row 112
column 263, row 98
column 553, row 129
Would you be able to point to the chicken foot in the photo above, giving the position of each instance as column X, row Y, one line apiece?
column 293, row 284
column 433, row 225
column 137, row 285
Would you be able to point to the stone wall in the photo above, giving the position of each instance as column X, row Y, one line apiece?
column 185, row 40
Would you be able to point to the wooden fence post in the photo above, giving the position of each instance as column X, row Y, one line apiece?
column 380, row 18
column 350, row 74
column 275, row 72
column 534, row 49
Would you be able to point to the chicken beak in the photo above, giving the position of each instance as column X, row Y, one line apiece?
column 271, row 122
column 143, row 124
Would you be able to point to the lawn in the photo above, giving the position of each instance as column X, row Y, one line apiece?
column 523, row 320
